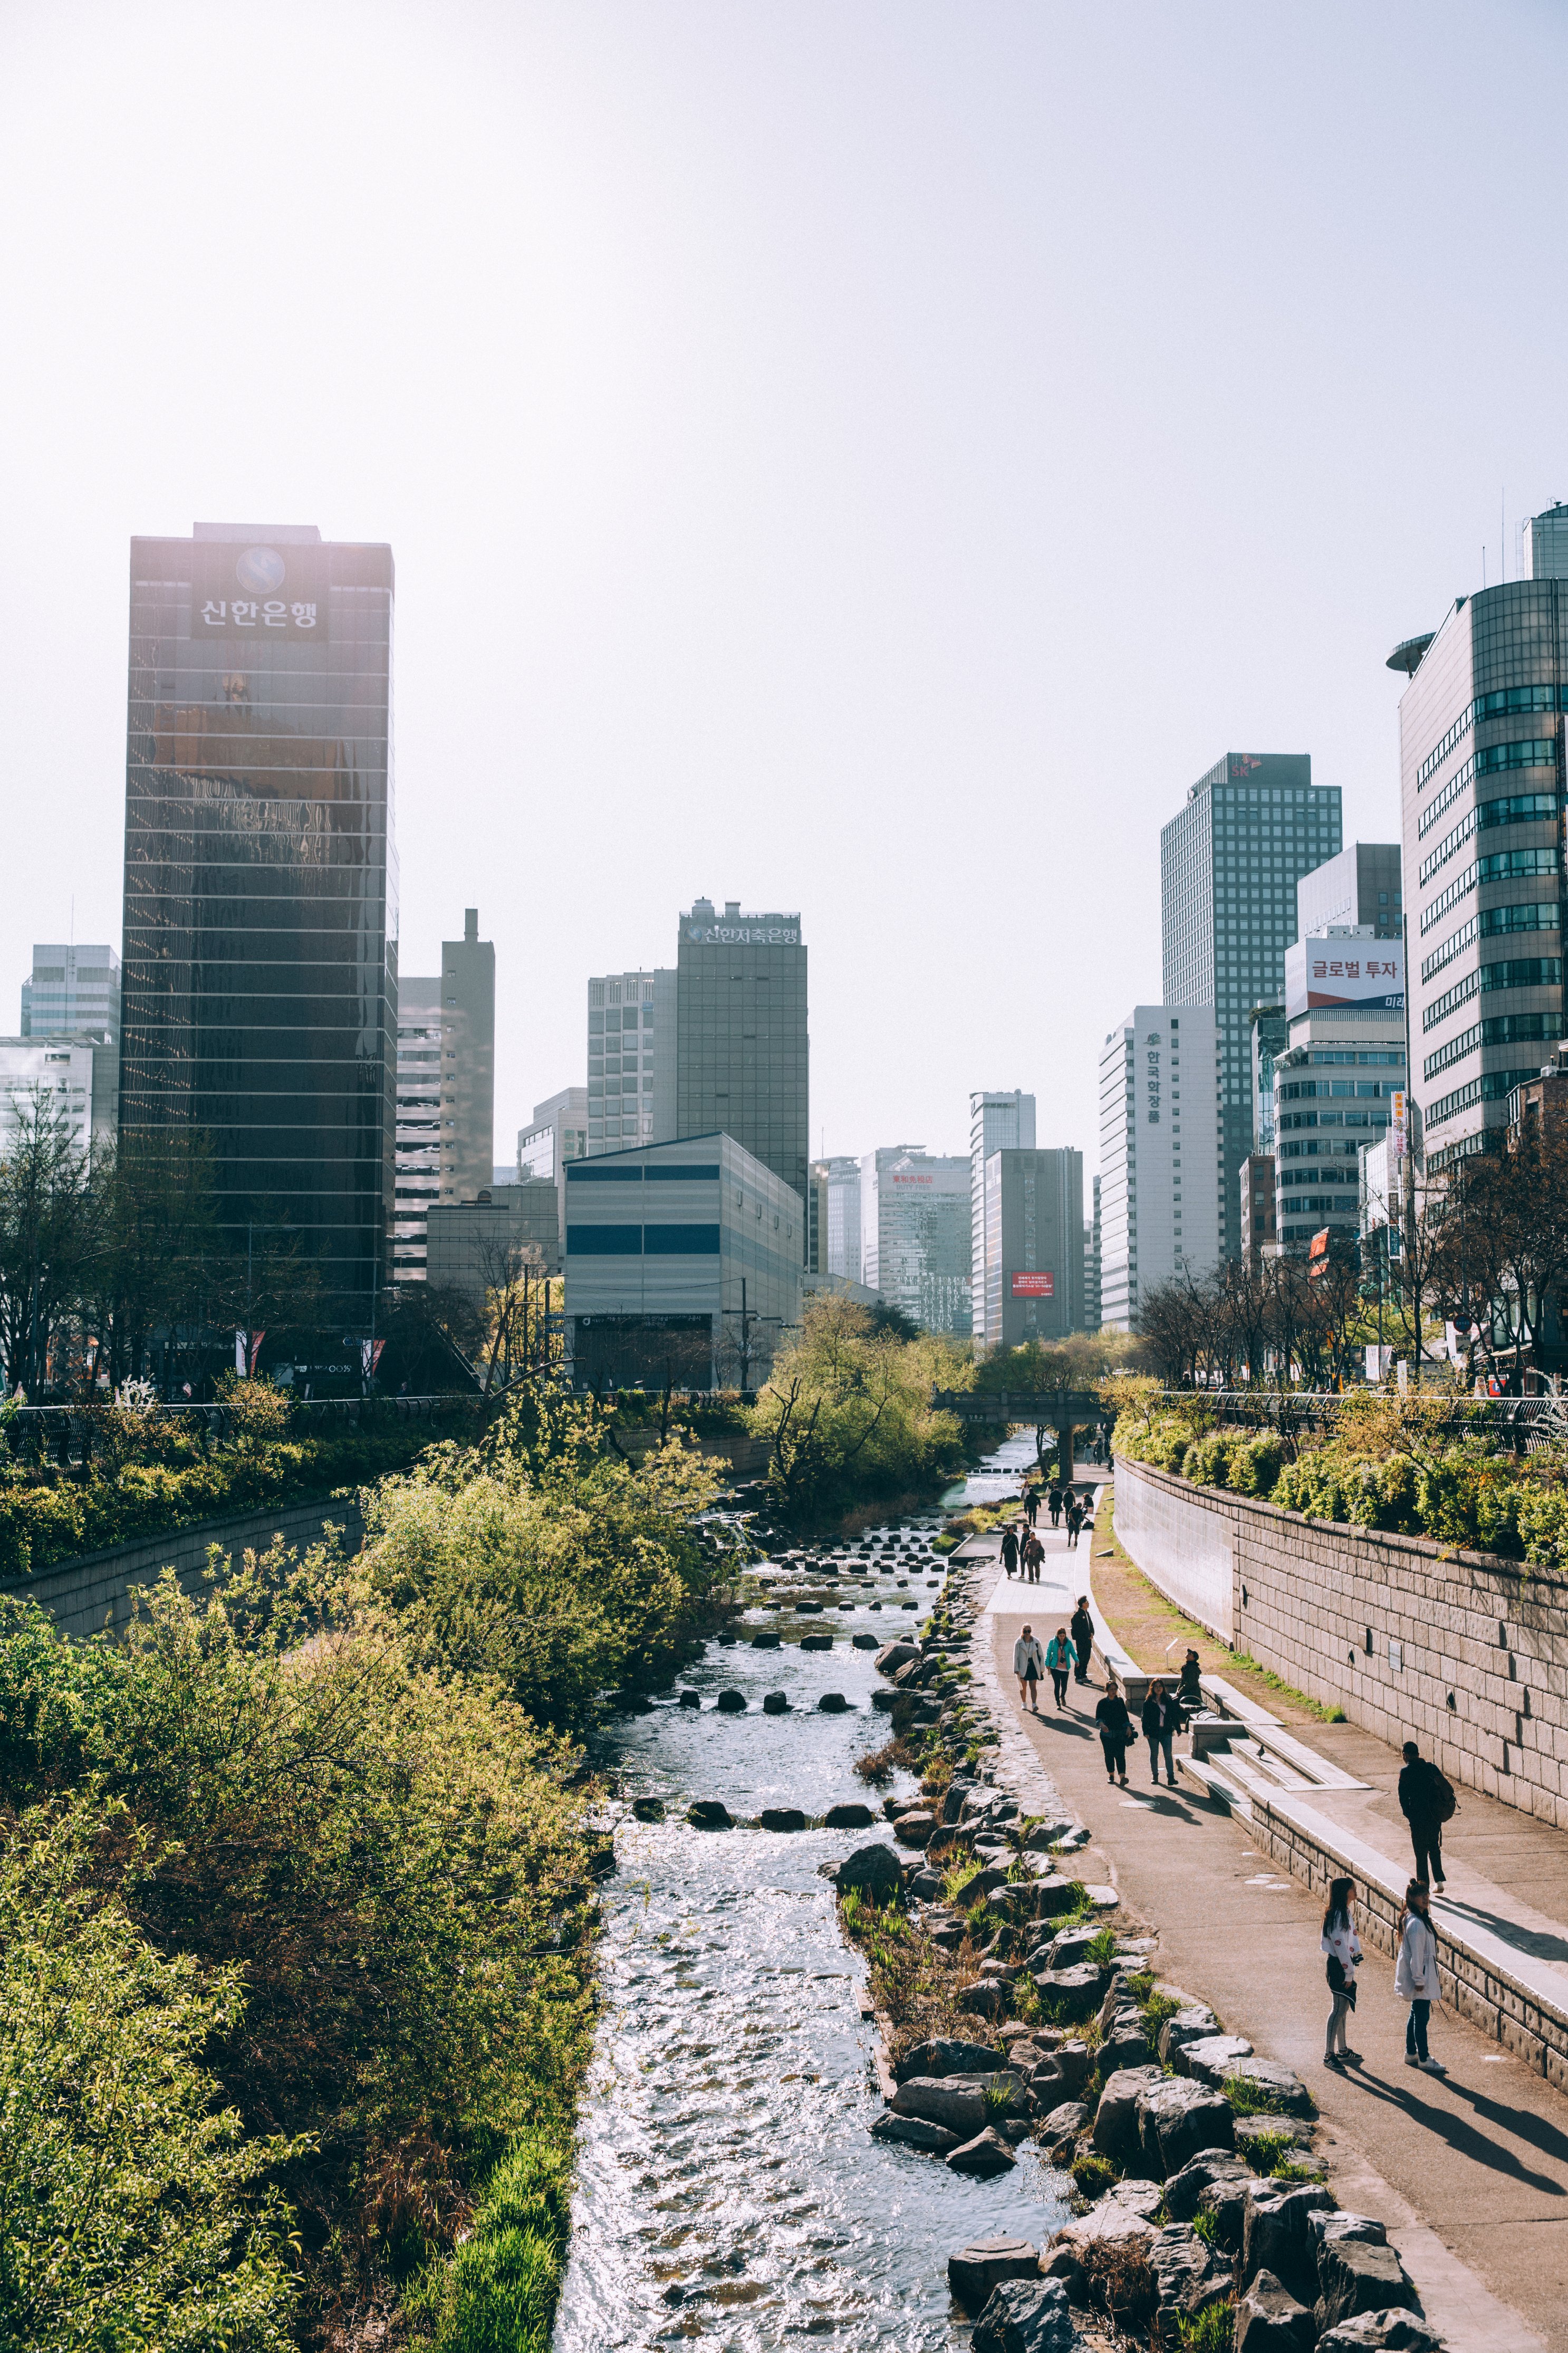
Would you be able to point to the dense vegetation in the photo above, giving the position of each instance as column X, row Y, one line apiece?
column 296, row 1901
column 152, row 1471
column 1389, row 1462
column 847, row 1414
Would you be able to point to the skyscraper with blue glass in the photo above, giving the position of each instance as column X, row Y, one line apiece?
column 1229, row 863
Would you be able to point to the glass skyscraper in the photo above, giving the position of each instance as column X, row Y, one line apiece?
column 742, row 1057
column 1229, row 863
column 260, row 986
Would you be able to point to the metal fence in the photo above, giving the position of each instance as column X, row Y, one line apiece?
column 74, row 1434
column 1523, row 1425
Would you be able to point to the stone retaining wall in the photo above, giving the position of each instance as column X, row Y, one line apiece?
column 1462, row 1652
column 91, row 1594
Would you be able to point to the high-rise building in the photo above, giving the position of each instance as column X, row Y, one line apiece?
column 742, row 1055
column 1160, row 1164
column 844, row 1216
column 1033, row 1276
column 72, row 988
column 1000, row 1120
column 1270, row 1034
column 1334, row 1083
column 1259, row 1226
column 259, row 986
column 1229, row 863
column 816, row 1218
column 75, row 1076
column 1481, row 768
column 446, row 1089
column 1092, row 1302
column 1360, row 886
column 631, row 1060
column 557, row 1133
column 914, row 1235
column 417, row 1165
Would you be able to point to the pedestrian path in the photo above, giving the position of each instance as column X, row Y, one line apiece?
column 1470, row 2171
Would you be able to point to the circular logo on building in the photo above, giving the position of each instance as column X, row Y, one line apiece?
column 259, row 569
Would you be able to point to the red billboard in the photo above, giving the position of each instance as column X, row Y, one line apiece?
column 1034, row 1286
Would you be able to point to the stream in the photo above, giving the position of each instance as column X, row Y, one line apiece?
column 728, row 2189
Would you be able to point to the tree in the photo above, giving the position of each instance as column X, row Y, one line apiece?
column 48, row 1235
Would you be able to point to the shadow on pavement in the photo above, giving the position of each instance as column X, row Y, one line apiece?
column 1467, row 2139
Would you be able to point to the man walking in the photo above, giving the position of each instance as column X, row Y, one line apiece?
column 1034, row 1553
column 1426, row 1802
column 1031, row 1502
column 1082, row 1632
column 1027, row 1661
column 1055, row 1501
column 1162, row 1718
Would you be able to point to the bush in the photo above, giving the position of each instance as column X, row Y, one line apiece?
column 1093, row 2175
column 1256, row 1464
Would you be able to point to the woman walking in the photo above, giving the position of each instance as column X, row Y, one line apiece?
column 1010, row 1551
column 1059, row 1657
column 1343, row 1946
column 1162, row 1720
column 1076, row 1517
column 1115, row 1731
column 1028, row 1663
column 1415, row 1976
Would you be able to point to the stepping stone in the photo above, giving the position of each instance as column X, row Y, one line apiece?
column 864, row 1642
column 915, row 2132
column 833, row 1703
column 710, row 1814
column 781, row 1818
column 648, row 1810
column 976, row 2269
column 730, row 1703
column 775, row 1704
column 849, row 1817
column 816, row 1641
column 984, row 2157
column 767, row 1642
column 690, row 1699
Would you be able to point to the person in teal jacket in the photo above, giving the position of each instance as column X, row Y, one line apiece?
column 1061, row 1658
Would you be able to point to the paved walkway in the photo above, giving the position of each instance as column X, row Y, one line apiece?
column 1470, row 2172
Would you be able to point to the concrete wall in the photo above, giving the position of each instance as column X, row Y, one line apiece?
column 1462, row 1652
column 92, row 1593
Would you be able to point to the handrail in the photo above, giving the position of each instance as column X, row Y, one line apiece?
column 1527, row 1424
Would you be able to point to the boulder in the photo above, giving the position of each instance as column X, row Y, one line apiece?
column 1139, row 2196
column 1183, row 2189
column 849, row 1818
column 1072, row 1993
column 833, row 1703
column 986, row 1999
column 874, row 1869
column 896, row 1655
column 1269, row 2320
column 808, row 1609
column 1275, row 2233
column 767, row 1642
column 958, row 1789
column 1116, row 2116
column 1176, row 2118
column 959, row 2107
column 1026, row 2316
column 1066, row 1947
column 648, row 1810
column 1225, row 2202
column 1382, row 2332
column 1124, row 2043
column 1337, row 2225
column 781, row 1818
column 1109, row 2224
column 945, row 2056
column 975, row 2272
column 1059, row 2130
column 1280, row 2086
column 927, row 1886
column 1043, row 1836
column 1355, row 2276
column 730, row 1703
column 1053, row 1894
column 1184, row 2269
column 1209, row 2058
column 864, row 1642
column 1297, row 2129
column 915, row 1828
column 1187, row 2026
column 710, row 1814
column 884, row 1702
column 915, row 2132
column 1075, row 2060
column 776, row 1704
column 690, row 1699
column 984, row 2157
column 816, row 1641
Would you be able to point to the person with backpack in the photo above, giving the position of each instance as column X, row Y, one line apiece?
column 1115, row 1731
column 1027, row 1661
column 1162, row 1720
column 1426, row 1800
column 1059, row 1657
column 1190, row 1690
column 1343, row 1946
column 1077, row 1515
column 1415, row 1978
column 1010, row 1551
column 1081, row 1629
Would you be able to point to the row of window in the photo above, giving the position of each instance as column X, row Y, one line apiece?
column 1504, row 866
column 1317, row 1177
column 1492, row 1088
column 642, row 1241
column 1505, row 703
column 1521, row 972
column 1294, row 1119
column 1537, row 915
column 1299, row 1090
column 1516, row 808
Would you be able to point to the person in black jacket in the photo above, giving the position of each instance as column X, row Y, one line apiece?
column 1161, row 1719
column 1426, row 1800
column 1082, row 1632
column 1115, row 1731
column 1010, row 1551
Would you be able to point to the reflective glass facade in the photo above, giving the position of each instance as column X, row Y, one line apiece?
column 741, row 1062
column 259, row 984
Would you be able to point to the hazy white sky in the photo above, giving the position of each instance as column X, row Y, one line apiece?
column 862, row 457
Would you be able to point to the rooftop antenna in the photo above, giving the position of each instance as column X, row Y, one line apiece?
column 1503, row 533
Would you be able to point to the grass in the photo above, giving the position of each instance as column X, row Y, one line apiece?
column 1288, row 2170
column 1207, row 2230
column 1212, row 2330
column 998, row 2099
column 1282, row 1690
column 499, row 2286
column 1268, row 2150
column 1101, row 1950
column 958, row 1879
column 1249, row 2099
column 1093, row 2175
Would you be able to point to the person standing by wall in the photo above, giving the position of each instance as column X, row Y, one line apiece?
column 1343, row 1946
column 1162, row 1718
column 1027, row 1664
column 1059, row 1657
column 1082, row 1632
column 1415, row 1978
column 1426, row 1800
column 1115, row 1731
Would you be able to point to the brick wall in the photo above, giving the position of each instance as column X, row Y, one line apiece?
column 1462, row 1652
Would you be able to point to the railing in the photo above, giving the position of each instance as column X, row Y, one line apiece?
column 1526, row 1425
column 67, row 1434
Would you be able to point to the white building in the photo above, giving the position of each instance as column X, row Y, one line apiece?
column 77, row 1076
column 1160, row 1153
column 74, row 989
column 631, row 1060
column 914, row 1235
column 558, row 1132
column 844, row 1254
column 1336, row 1083
column 418, row 1156
column 444, row 1147
column 1000, row 1120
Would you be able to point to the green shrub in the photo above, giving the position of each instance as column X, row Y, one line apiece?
column 1093, row 2175
column 1212, row 2330
column 498, row 2289
column 1208, row 1459
column 1256, row 1464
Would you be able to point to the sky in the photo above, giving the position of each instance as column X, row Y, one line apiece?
column 866, row 459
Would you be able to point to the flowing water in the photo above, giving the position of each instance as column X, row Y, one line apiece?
column 728, row 2191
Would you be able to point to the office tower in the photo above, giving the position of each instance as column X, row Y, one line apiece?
column 1335, row 1082
column 72, row 988
column 557, row 1133
column 1159, row 1064
column 684, row 1265
column 1000, row 1120
column 418, row 1156
column 816, row 1218
column 742, row 1057
column 1033, row 1276
column 1091, row 1303
column 1360, row 886
column 1481, row 736
column 259, row 986
column 1229, row 863
column 75, row 1076
column 844, row 1216
column 1270, row 1034
column 1259, row 1226
column 915, row 1235
column 631, row 1060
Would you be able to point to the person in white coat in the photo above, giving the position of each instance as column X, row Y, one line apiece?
column 1415, row 1976
column 1343, row 1946
column 1028, row 1666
